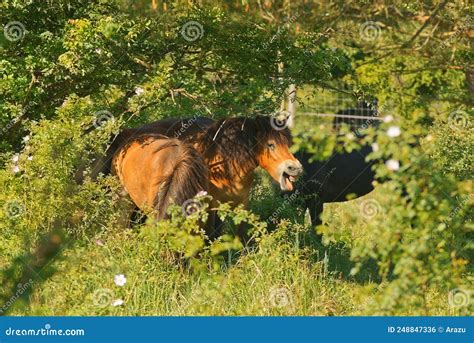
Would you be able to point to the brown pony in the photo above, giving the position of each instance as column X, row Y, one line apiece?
column 157, row 171
column 234, row 147
column 231, row 149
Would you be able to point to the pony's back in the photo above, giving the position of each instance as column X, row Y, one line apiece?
column 157, row 171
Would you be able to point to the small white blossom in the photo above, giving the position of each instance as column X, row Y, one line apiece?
column 394, row 131
column 26, row 139
column 375, row 147
column 117, row 302
column 99, row 242
column 16, row 169
column 15, row 158
column 429, row 137
column 30, row 158
column 392, row 165
column 201, row 193
column 120, row 280
column 139, row 91
column 388, row 119
column 98, row 51
column 350, row 136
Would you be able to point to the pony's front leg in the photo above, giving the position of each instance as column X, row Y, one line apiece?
column 213, row 225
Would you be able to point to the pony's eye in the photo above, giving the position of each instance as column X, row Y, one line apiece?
column 271, row 146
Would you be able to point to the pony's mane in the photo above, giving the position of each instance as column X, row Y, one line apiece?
column 244, row 131
column 236, row 140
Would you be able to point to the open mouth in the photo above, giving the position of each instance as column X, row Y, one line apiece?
column 286, row 182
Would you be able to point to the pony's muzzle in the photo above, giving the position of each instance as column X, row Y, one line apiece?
column 289, row 171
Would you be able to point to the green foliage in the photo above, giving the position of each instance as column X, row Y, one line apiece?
column 452, row 146
column 82, row 70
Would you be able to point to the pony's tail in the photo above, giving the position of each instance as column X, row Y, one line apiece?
column 189, row 176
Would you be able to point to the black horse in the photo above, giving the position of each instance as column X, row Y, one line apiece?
column 343, row 174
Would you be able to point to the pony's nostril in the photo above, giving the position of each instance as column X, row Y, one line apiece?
column 294, row 169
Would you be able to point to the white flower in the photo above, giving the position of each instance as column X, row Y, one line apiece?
column 139, row 91
column 16, row 169
column 392, row 165
column 120, row 280
column 15, row 158
column 30, row 158
column 99, row 242
column 201, row 193
column 394, row 131
column 429, row 137
column 26, row 139
column 350, row 136
column 117, row 302
column 98, row 51
column 388, row 119
column 375, row 147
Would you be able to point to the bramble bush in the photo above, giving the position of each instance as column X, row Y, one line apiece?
column 421, row 233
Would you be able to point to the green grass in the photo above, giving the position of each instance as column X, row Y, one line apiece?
column 287, row 273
